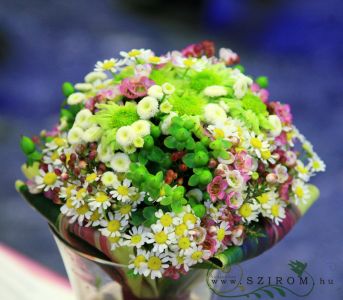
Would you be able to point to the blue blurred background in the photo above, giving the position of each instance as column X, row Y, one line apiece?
column 297, row 44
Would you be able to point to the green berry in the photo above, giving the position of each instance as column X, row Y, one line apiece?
column 148, row 142
column 216, row 145
column 255, row 176
column 205, row 177
column 27, row 145
column 201, row 158
column 205, row 140
column 240, row 67
column 189, row 124
column 155, row 131
column 181, row 134
column 262, row 81
column 67, row 89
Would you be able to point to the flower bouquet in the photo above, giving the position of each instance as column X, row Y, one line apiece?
column 168, row 164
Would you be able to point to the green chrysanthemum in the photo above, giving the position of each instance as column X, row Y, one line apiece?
column 188, row 104
column 112, row 116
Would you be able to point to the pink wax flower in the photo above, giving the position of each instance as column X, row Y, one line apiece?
column 262, row 93
column 217, row 188
column 197, row 50
column 210, row 244
column 237, row 235
column 283, row 111
column 174, row 273
column 133, row 88
column 284, row 189
column 234, row 200
column 53, row 132
column 281, row 140
column 243, row 162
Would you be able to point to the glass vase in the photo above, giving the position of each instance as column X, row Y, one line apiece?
column 92, row 277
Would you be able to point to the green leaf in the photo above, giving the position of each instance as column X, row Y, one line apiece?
column 137, row 218
column 269, row 293
column 188, row 159
column 27, row 145
column 199, row 210
column 257, row 295
column 170, row 142
column 149, row 212
column 35, row 156
column 280, row 290
column 166, row 201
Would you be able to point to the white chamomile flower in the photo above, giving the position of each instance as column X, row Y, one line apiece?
column 137, row 237
column 138, row 142
column 266, row 199
column 301, row 191
column 137, row 197
column 83, row 87
column 222, row 232
column 68, row 208
column 95, row 76
column 165, row 219
column 105, row 154
column 215, row 91
column 79, row 197
column 55, row 143
column 67, row 191
column 141, row 128
column 281, row 173
column 228, row 56
column 147, row 107
column 168, row 88
column 166, row 107
column 183, row 244
column 316, row 164
column 92, row 134
column 92, row 177
column 138, row 261
column 178, row 261
column 213, row 113
column 125, row 210
column 83, row 119
column 190, row 63
column 155, row 265
column 101, row 201
column 241, row 84
column 249, row 212
column 260, row 146
column 123, row 191
column 47, row 180
column 109, row 179
column 189, row 218
column 80, row 214
column 277, row 211
column 113, row 226
column 120, row 162
column 156, row 91
column 156, row 60
column 160, row 237
column 116, row 241
column 52, row 158
column 234, row 179
column 196, row 255
column 303, row 171
column 76, row 98
column 133, row 54
column 276, row 125
column 111, row 65
column 125, row 136
column 75, row 135
column 95, row 219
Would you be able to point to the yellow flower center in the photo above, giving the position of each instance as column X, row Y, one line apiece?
column 138, row 260
column 91, row 177
column 154, row 59
column 316, row 165
column 184, row 243
column 80, row 193
column 218, row 133
column 69, row 189
column 197, row 255
column 123, row 190
column 266, row 154
column 83, row 209
column 135, row 239
column 189, row 217
column 59, row 141
column 189, row 62
column 180, row 260
column 49, row 178
column 256, row 143
column 154, row 263
column 54, row 156
column 101, row 197
column 275, row 210
column 95, row 216
column 125, row 209
column 263, row 199
column 245, row 210
column 180, row 229
column 161, row 237
column 108, row 64
column 113, row 226
column 166, row 220
column 299, row 191
column 134, row 53
column 114, row 239
column 220, row 234
column 302, row 169
column 69, row 203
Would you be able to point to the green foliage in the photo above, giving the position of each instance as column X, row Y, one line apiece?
column 188, row 103
column 27, row 145
column 67, row 89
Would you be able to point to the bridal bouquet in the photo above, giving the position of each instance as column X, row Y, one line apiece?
column 178, row 160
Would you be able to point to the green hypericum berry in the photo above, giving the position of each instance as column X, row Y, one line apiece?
column 255, row 175
column 262, row 81
column 178, row 121
column 201, row 158
column 67, row 89
column 216, row 145
column 148, row 142
column 205, row 140
column 182, row 135
column 239, row 67
column 189, row 124
column 155, row 131
column 27, row 145
column 205, row 177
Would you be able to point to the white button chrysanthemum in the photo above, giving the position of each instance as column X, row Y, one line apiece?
column 93, row 76
column 215, row 91
column 76, row 98
column 120, row 162
column 147, row 107
column 83, row 87
column 213, row 113
column 109, row 179
column 92, row 134
column 82, row 118
column 156, row 91
column 141, row 128
column 241, row 85
column 276, row 125
column 75, row 135
column 168, row 88
column 125, row 136
column 105, row 154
